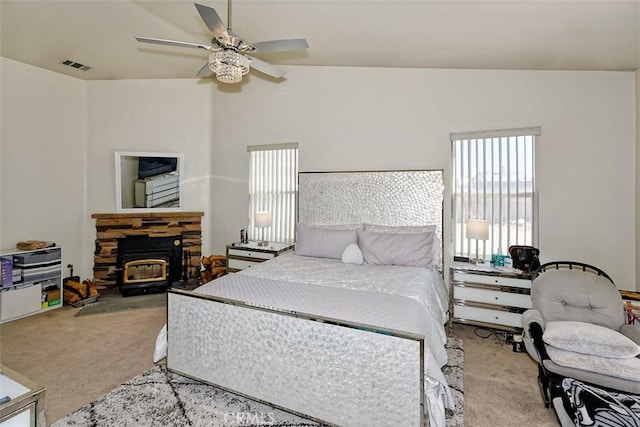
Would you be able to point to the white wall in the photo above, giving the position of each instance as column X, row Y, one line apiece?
column 361, row 118
column 155, row 116
column 344, row 119
column 43, row 163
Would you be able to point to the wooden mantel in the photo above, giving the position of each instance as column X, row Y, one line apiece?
column 113, row 226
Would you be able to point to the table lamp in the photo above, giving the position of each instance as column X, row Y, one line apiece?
column 477, row 229
column 262, row 220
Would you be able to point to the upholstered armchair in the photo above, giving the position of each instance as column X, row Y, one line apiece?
column 576, row 329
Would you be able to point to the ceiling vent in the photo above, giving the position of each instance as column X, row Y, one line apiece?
column 76, row 65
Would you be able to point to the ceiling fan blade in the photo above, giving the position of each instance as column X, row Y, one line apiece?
column 266, row 68
column 205, row 71
column 173, row 43
column 212, row 20
column 281, row 45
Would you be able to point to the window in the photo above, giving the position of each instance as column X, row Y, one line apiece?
column 494, row 180
column 273, row 187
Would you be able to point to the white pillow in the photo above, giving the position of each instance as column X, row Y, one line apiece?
column 323, row 243
column 587, row 338
column 397, row 249
column 410, row 229
column 627, row 369
column 352, row 255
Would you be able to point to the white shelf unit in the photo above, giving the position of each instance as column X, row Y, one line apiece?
column 31, row 282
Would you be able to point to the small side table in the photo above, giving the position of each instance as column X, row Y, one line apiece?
column 27, row 404
column 483, row 295
column 245, row 255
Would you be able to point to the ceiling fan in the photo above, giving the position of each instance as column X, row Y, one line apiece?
column 229, row 58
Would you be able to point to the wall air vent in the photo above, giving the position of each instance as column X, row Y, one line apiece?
column 73, row 64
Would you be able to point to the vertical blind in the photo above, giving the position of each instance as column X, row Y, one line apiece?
column 494, row 180
column 273, row 187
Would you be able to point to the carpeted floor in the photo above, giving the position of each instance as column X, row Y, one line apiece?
column 150, row 400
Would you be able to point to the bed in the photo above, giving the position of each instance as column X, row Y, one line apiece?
column 320, row 334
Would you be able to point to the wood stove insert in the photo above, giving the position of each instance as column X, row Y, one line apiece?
column 148, row 264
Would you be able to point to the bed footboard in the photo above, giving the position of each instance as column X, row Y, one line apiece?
column 334, row 372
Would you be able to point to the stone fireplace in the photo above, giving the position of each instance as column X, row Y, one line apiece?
column 140, row 252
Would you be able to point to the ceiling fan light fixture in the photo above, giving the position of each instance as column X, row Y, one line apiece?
column 229, row 66
column 227, row 60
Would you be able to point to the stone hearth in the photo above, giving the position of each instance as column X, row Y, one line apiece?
column 113, row 226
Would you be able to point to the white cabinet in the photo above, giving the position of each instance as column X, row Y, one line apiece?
column 490, row 297
column 157, row 190
column 18, row 302
column 31, row 282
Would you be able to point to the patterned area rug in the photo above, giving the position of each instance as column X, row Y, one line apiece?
column 150, row 400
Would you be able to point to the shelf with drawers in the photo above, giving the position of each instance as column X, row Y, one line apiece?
column 486, row 296
column 245, row 255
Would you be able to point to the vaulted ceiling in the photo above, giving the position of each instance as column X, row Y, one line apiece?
column 475, row 34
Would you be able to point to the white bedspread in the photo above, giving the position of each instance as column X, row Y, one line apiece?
column 384, row 311
column 406, row 299
column 409, row 299
column 421, row 284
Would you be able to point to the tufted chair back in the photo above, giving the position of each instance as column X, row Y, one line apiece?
column 572, row 294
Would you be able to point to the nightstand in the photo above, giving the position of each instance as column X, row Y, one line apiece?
column 483, row 295
column 245, row 255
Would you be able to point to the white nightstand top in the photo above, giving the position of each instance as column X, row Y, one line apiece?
column 487, row 268
column 269, row 247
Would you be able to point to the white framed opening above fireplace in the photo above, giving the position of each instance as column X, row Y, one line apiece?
column 148, row 181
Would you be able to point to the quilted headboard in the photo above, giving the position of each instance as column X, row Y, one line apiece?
column 395, row 198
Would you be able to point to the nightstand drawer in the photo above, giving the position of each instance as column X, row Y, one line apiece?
column 484, row 315
column 240, row 264
column 491, row 280
column 250, row 254
column 488, row 296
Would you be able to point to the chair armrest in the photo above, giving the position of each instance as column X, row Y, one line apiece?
column 632, row 332
column 532, row 330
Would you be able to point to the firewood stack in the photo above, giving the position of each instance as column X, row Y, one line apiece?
column 214, row 267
